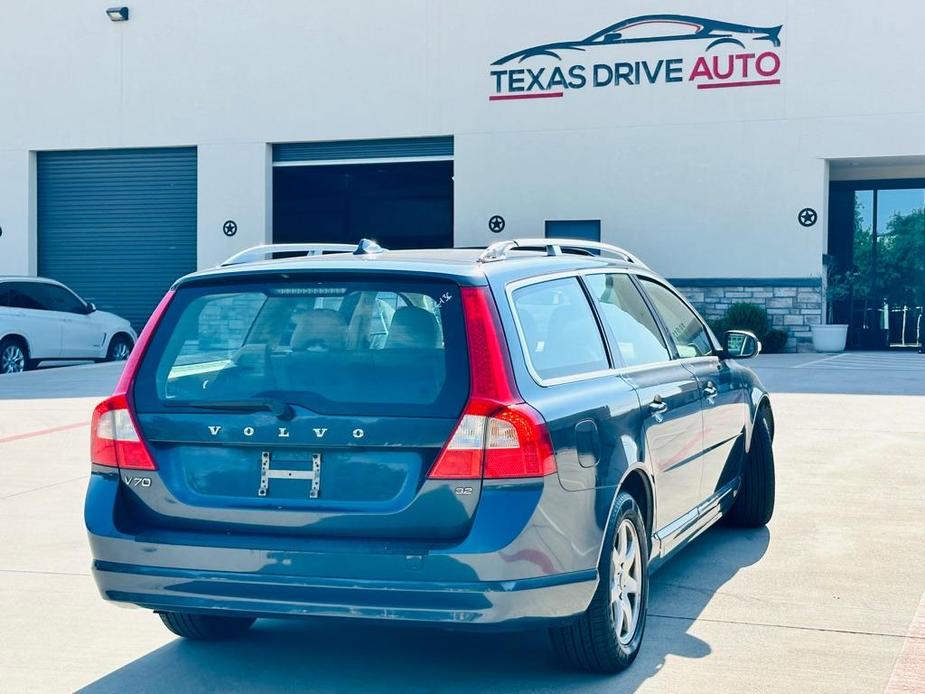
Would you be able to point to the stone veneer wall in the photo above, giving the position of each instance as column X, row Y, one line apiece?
column 792, row 305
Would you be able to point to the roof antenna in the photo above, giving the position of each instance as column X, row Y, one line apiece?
column 367, row 247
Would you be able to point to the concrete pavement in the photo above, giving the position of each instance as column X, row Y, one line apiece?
column 823, row 600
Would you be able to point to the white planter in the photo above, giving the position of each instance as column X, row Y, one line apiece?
column 829, row 338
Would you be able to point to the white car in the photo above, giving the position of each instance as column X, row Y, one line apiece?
column 41, row 320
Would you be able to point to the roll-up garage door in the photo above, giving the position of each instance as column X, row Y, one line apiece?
column 399, row 148
column 117, row 226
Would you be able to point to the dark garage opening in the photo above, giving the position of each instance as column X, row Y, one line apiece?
column 400, row 205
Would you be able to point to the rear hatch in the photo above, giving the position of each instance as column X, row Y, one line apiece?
column 309, row 405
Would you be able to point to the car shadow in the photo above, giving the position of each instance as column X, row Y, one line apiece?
column 336, row 656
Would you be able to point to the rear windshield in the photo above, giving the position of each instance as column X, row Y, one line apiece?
column 361, row 348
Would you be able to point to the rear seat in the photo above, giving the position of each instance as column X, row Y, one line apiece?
column 411, row 362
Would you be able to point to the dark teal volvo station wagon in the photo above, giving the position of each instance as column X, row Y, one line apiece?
column 512, row 437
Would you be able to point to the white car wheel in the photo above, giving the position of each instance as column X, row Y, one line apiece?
column 12, row 358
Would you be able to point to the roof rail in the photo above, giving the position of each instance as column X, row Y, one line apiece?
column 264, row 252
column 499, row 250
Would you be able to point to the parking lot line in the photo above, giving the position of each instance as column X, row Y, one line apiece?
column 43, row 432
column 909, row 671
column 818, row 361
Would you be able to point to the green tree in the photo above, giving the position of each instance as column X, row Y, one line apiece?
column 863, row 243
column 901, row 259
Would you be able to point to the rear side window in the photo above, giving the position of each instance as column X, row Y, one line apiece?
column 631, row 323
column 357, row 348
column 686, row 330
column 559, row 330
column 25, row 295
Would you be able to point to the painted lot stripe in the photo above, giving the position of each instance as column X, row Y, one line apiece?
column 909, row 671
column 817, row 361
column 847, row 361
column 43, row 432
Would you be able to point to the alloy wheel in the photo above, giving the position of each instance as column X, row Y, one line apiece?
column 121, row 351
column 12, row 360
column 626, row 582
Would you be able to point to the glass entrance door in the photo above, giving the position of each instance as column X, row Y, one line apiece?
column 877, row 267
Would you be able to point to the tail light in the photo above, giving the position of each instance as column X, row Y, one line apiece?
column 115, row 438
column 498, row 435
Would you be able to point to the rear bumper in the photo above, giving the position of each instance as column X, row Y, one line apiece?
column 528, row 601
column 530, row 557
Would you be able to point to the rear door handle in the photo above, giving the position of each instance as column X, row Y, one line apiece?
column 710, row 391
column 658, row 408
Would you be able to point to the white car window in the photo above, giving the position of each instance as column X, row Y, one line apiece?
column 57, row 298
column 24, row 295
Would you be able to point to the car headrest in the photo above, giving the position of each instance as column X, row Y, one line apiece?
column 319, row 330
column 413, row 327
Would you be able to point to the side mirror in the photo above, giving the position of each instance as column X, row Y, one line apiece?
column 741, row 344
column 91, row 307
column 612, row 38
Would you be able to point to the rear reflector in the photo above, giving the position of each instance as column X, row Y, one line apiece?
column 498, row 436
column 518, row 444
column 115, row 439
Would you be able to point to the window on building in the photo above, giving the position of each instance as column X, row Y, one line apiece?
column 584, row 229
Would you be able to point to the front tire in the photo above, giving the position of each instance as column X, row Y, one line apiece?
column 754, row 504
column 201, row 627
column 607, row 637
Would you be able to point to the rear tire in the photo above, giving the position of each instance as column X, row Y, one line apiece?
column 600, row 640
column 201, row 627
column 14, row 356
column 754, row 504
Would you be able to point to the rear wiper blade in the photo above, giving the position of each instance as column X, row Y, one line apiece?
column 279, row 408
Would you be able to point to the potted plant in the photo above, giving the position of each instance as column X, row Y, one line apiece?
column 829, row 336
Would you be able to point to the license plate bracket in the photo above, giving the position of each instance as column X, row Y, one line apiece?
column 268, row 472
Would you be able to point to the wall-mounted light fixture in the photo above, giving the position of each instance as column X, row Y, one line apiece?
column 118, row 14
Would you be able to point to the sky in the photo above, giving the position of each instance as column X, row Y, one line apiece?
column 889, row 202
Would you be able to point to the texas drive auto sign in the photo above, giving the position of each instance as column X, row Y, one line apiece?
column 750, row 58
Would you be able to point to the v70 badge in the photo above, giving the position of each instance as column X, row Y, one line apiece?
column 136, row 481
column 267, row 473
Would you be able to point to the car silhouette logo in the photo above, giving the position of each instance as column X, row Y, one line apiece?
column 654, row 28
